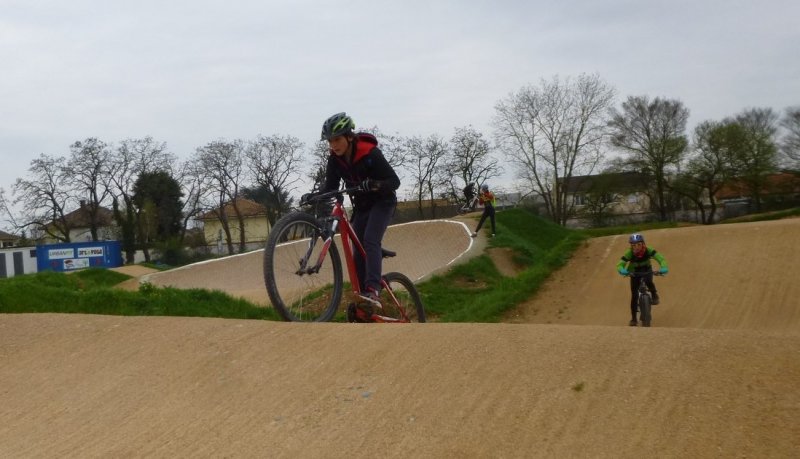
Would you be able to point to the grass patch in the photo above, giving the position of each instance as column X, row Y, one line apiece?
column 628, row 229
column 91, row 292
column 476, row 292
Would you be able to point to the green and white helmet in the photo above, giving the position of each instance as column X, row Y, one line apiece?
column 336, row 125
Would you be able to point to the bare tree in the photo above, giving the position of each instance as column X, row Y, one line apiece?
column 554, row 132
column 318, row 164
column 222, row 166
column 790, row 145
column 425, row 158
column 653, row 133
column 469, row 160
column 273, row 163
column 88, row 170
column 45, row 197
column 392, row 146
column 191, row 179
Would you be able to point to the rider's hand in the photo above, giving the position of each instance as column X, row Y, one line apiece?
column 663, row 271
column 306, row 198
column 623, row 272
column 365, row 185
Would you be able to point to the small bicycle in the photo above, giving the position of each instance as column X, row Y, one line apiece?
column 303, row 270
column 645, row 298
column 469, row 207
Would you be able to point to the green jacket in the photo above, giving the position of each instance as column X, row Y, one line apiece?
column 633, row 263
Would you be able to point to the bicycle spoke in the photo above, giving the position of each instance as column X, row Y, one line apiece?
column 298, row 293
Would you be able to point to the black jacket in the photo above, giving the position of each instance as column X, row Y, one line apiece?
column 367, row 162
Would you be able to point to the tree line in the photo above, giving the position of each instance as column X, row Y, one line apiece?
column 548, row 133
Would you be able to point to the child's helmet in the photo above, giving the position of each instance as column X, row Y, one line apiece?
column 484, row 187
column 336, row 125
column 635, row 237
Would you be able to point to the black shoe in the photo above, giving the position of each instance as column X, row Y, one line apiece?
column 655, row 300
column 633, row 323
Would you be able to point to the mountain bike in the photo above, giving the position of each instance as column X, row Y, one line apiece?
column 303, row 269
column 645, row 298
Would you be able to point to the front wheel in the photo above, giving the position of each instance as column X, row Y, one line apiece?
column 645, row 308
column 400, row 299
column 297, row 291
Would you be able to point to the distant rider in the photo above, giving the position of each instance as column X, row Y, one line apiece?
column 486, row 198
column 637, row 259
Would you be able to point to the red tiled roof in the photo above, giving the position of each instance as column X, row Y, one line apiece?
column 247, row 207
column 780, row 183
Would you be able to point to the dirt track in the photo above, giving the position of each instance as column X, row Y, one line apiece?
column 716, row 376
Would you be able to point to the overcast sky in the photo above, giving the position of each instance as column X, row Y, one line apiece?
column 188, row 72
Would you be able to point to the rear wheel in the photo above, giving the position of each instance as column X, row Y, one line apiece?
column 645, row 309
column 297, row 293
column 400, row 299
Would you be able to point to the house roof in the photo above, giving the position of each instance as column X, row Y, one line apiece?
column 80, row 218
column 779, row 183
column 247, row 207
column 7, row 237
column 613, row 181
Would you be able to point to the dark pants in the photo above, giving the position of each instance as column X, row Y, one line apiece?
column 370, row 226
column 635, row 292
column 488, row 211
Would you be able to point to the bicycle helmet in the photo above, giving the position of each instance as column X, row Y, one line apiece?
column 336, row 125
column 635, row 237
column 484, row 187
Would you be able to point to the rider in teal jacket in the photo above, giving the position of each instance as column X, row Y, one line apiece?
column 637, row 259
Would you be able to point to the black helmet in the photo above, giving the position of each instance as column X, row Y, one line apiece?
column 336, row 125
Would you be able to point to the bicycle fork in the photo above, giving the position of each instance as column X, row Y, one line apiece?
column 327, row 238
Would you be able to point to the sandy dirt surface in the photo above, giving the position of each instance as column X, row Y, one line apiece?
column 717, row 375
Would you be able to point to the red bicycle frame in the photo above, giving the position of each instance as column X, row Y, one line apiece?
column 342, row 223
column 348, row 236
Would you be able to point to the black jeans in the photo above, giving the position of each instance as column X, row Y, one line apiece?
column 488, row 211
column 635, row 291
column 370, row 226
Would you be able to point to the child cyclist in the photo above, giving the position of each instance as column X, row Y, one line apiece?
column 356, row 159
column 637, row 259
column 486, row 198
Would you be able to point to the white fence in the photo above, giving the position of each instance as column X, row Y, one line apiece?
column 16, row 261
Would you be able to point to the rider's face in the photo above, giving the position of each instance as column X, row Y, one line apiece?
column 637, row 246
column 339, row 145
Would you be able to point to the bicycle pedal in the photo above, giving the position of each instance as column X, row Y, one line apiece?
column 359, row 313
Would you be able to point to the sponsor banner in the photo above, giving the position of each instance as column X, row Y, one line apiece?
column 60, row 254
column 90, row 252
column 76, row 263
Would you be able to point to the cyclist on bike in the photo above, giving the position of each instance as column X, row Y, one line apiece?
column 486, row 198
column 637, row 259
column 356, row 159
column 469, row 196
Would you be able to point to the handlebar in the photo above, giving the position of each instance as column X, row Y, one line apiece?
column 317, row 197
